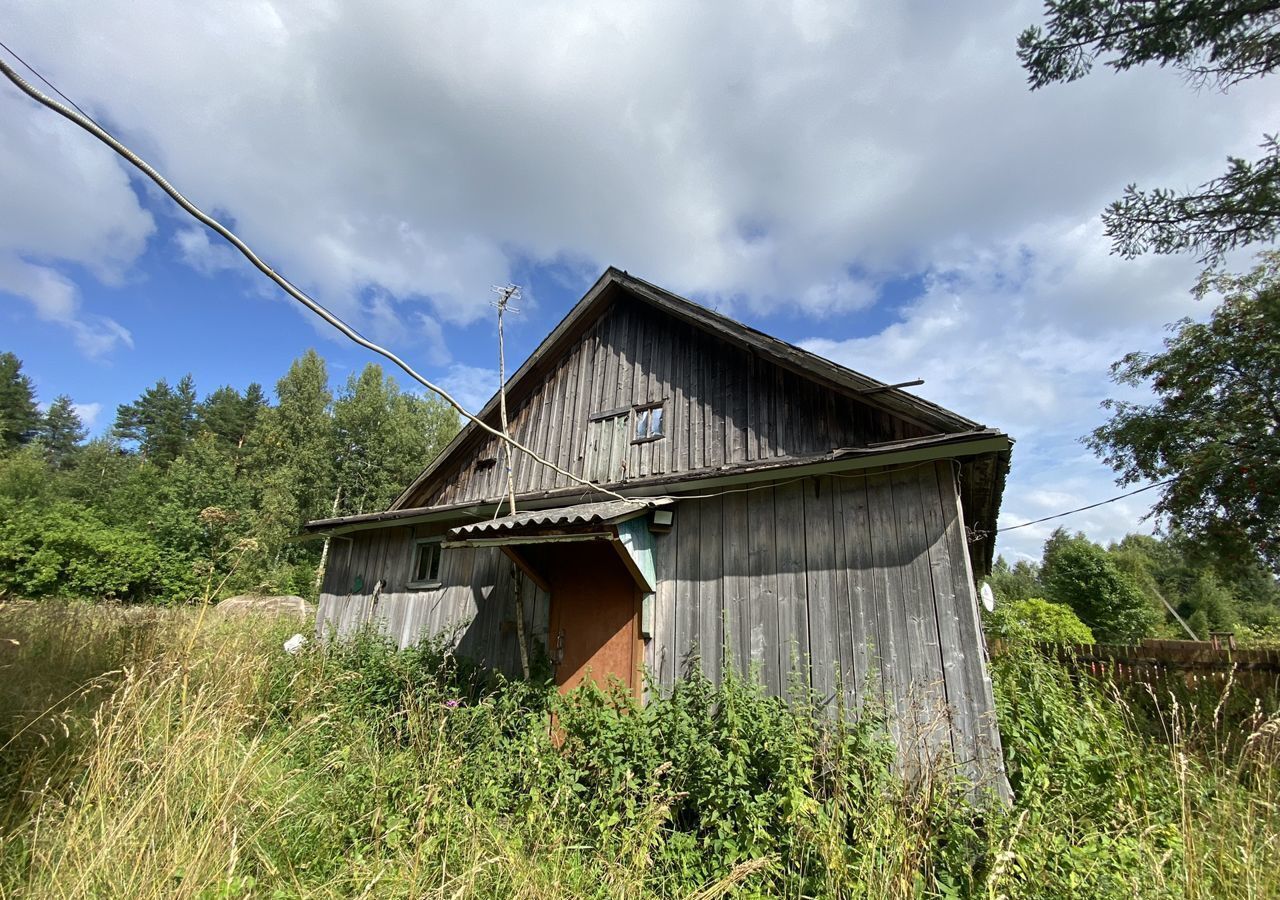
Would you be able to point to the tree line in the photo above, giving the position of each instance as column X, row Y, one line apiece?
column 1163, row 586
column 185, row 495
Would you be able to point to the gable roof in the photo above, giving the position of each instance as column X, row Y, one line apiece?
column 598, row 299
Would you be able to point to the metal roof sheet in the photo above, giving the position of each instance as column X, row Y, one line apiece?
column 601, row 513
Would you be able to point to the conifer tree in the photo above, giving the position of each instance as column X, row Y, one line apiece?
column 61, row 431
column 19, row 418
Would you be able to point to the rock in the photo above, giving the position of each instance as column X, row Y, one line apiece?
column 264, row 605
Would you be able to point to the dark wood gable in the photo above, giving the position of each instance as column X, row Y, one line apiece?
column 724, row 403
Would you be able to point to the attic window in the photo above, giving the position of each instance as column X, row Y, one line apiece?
column 648, row 423
column 426, row 563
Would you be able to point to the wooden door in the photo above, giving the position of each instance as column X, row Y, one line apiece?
column 595, row 617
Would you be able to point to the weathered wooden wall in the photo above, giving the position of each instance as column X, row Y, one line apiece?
column 476, row 597
column 858, row 586
column 723, row 406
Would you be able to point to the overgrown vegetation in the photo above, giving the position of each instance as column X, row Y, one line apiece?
column 144, row 756
column 184, row 493
column 1120, row 592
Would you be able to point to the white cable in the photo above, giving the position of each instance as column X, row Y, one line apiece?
column 97, row 131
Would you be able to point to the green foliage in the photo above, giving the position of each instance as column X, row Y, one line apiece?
column 1036, row 620
column 1213, row 42
column 1021, row 581
column 208, row 493
column 61, row 432
column 62, row 549
column 1212, row 428
column 1081, row 575
column 381, row 437
column 19, row 418
column 200, row 760
column 161, row 422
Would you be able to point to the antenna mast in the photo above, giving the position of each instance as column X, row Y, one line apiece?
column 507, row 293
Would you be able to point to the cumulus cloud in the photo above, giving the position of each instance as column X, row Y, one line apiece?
column 472, row 386
column 754, row 154
column 88, row 413
column 398, row 160
column 55, row 298
column 1020, row 336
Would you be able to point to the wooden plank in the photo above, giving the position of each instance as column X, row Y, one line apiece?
column 678, row 423
column 793, row 612
column 660, row 390
column 820, row 588
column 713, row 406
column 737, row 582
column 764, row 402
column 584, row 404
column 856, row 619
column 735, row 420
column 751, row 436
column 928, row 697
column 886, row 599
column 710, row 588
column 688, row 558
column 697, row 405
column 987, row 735
column 763, row 601
column 549, row 428
column 956, row 655
column 636, row 388
column 661, row 654
column 619, row 443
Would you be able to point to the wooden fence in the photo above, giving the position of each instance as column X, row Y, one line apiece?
column 1192, row 663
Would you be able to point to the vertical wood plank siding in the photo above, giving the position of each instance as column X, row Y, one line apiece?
column 857, row 586
column 722, row 406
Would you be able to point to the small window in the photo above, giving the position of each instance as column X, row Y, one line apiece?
column 648, row 423
column 426, row 563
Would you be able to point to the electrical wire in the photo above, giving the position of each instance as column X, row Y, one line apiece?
column 78, row 117
column 50, row 85
column 1090, row 506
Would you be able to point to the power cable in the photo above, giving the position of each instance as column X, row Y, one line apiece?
column 32, row 69
column 1090, row 506
column 78, row 117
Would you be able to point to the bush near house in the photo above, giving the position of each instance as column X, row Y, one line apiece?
column 144, row 753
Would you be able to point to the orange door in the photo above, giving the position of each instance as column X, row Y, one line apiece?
column 595, row 622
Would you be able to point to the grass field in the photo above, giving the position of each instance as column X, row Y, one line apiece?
column 154, row 753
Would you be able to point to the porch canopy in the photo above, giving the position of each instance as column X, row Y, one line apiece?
column 523, row 536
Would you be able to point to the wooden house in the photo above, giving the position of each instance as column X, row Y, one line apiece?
column 785, row 515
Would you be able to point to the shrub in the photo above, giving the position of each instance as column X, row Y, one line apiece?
column 1036, row 620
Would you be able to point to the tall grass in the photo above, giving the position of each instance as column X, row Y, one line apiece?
column 143, row 756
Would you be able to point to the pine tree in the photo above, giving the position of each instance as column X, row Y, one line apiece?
column 19, row 418
column 229, row 415
column 161, row 422
column 61, row 432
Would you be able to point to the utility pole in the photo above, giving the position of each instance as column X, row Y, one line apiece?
column 507, row 293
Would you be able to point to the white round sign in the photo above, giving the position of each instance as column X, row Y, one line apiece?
column 988, row 597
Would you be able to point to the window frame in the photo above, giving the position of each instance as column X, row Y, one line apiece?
column 416, row 557
column 641, row 409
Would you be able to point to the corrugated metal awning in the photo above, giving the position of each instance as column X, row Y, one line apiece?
column 607, row 512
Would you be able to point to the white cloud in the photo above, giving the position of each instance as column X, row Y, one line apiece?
column 750, row 153
column 55, row 298
column 472, row 386
column 1020, row 336
column 204, row 254
column 88, row 413
column 399, row 159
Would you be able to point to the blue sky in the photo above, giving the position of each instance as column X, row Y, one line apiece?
column 871, row 181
